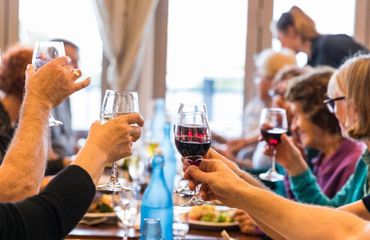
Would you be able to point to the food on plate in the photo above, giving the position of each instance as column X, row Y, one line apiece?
column 101, row 204
column 210, row 214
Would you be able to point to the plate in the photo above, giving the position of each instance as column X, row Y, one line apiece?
column 197, row 224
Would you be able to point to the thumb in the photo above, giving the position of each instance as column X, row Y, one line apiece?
column 195, row 173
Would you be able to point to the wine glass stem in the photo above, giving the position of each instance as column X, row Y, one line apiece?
column 114, row 175
column 273, row 167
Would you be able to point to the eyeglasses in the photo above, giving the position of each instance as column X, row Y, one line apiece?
column 330, row 103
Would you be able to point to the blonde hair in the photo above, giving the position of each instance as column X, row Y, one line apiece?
column 354, row 77
column 269, row 62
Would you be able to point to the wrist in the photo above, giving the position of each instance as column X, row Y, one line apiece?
column 31, row 98
column 297, row 167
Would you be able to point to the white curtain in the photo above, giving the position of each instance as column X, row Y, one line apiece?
column 126, row 28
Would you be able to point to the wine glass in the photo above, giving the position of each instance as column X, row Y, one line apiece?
column 273, row 123
column 126, row 206
column 44, row 52
column 116, row 103
column 193, row 139
column 185, row 107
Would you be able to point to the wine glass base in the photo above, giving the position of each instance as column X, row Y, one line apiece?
column 106, row 188
column 196, row 200
column 184, row 191
column 271, row 176
column 54, row 123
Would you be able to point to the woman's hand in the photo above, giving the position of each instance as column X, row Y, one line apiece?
column 288, row 155
column 219, row 181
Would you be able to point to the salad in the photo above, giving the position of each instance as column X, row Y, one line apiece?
column 210, row 214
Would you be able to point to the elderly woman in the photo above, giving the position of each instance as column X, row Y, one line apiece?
column 319, row 129
column 281, row 218
column 297, row 31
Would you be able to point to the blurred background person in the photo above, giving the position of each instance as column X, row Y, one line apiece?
column 297, row 31
column 63, row 140
column 267, row 64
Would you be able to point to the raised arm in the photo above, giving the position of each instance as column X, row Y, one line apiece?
column 55, row 212
column 24, row 163
column 289, row 219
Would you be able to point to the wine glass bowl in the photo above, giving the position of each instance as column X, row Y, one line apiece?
column 273, row 123
column 44, row 52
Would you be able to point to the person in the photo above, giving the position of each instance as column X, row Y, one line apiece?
column 12, row 84
column 243, row 191
column 297, row 31
column 267, row 63
column 63, row 141
column 53, row 213
column 338, row 155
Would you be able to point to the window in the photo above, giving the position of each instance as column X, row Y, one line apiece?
column 205, row 61
column 74, row 21
column 330, row 16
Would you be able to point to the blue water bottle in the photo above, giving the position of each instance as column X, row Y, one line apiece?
column 170, row 166
column 157, row 199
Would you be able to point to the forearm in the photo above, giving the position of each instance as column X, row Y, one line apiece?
column 92, row 160
column 25, row 160
column 267, row 230
column 358, row 208
column 286, row 217
column 250, row 179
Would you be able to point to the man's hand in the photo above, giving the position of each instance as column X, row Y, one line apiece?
column 115, row 137
column 53, row 82
column 246, row 223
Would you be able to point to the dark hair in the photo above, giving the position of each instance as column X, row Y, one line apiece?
column 309, row 90
column 12, row 70
column 285, row 21
column 66, row 42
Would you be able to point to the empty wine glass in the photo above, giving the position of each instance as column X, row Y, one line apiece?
column 44, row 52
column 193, row 139
column 126, row 206
column 116, row 103
column 273, row 123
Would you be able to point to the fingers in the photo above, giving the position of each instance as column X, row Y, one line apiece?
column 195, row 173
column 80, row 85
column 132, row 118
column 62, row 61
column 135, row 133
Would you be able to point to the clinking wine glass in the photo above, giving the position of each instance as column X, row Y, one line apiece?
column 273, row 123
column 193, row 139
column 117, row 103
column 44, row 52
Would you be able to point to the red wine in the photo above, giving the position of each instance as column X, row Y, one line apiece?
column 272, row 135
column 192, row 142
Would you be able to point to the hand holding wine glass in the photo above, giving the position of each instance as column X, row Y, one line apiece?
column 273, row 123
column 193, row 139
column 117, row 103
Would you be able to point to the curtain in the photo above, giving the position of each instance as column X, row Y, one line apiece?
column 125, row 28
column 9, row 23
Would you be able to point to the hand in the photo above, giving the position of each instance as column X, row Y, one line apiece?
column 212, row 154
column 246, row 223
column 115, row 137
column 219, row 181
column 53, row 82
column 288, row 155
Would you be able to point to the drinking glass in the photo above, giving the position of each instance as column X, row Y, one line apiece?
column 126, row 205
column 116, row 103
column 273, row 123
column 152, row 229
column 44, row 52
column 193, row 139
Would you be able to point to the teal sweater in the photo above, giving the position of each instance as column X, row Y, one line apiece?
column 306, row 189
